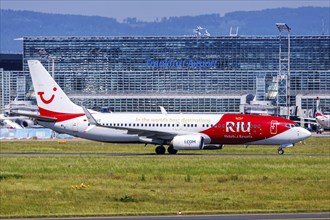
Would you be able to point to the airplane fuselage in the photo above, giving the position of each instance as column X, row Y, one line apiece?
column 216, row 129
column 324, row 121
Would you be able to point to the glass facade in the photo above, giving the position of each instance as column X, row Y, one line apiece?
column 183, row 74
column 13, row 86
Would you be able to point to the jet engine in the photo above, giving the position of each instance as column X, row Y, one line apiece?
column 188, row 142
column 213, row 147
column 26, row 123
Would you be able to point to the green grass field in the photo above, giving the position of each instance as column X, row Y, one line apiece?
column 34, row 186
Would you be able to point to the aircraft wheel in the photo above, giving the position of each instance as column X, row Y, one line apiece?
column 171, row 150
column 160, row 149
column 280, row 151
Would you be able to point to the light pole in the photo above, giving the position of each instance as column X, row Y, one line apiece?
column 283, row 77
column 52, row 58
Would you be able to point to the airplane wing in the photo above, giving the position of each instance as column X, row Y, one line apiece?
column 140, row 132
column 310, row 119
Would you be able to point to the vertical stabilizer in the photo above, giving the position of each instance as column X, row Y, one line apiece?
column 51, row 99
column 318, row 107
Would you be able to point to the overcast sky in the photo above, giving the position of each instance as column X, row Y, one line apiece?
column 149, row 10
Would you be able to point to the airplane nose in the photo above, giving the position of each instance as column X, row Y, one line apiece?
column 304, row 133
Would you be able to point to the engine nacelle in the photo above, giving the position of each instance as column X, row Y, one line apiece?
column 26, row 123
column 213, row 146
column 188, row 142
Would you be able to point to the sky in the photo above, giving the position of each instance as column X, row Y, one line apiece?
column 150, row 10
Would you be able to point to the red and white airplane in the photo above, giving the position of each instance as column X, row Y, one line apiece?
column 179, row 131
column 323, row 120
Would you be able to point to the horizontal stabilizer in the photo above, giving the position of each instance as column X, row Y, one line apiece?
column 36, row 117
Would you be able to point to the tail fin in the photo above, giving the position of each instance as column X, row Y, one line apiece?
column 51, row 99
column 318, row 107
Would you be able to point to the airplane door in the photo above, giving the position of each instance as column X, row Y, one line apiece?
column 273, row 127
column 75, row 125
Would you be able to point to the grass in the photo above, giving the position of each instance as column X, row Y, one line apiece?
column 310, row 146
column 145, row 185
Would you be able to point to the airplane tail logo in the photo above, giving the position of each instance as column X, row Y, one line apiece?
column 51, row 99
column 45, row 101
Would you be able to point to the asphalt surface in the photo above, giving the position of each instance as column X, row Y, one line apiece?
column 39, row 154
column 325, row 215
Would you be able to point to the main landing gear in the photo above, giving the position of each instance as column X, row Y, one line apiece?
column 161, row 150
column 171, row 150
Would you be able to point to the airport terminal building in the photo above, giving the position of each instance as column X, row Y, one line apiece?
column 183, row 74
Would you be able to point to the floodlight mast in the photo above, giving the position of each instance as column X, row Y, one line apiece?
column 283, row 27
column 283, row 78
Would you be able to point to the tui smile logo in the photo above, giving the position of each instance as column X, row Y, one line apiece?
column 49, row 100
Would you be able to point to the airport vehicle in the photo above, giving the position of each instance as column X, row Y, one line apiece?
column 179, row 131
column 323, row 120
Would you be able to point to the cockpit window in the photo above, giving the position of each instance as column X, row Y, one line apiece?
column 292, row 125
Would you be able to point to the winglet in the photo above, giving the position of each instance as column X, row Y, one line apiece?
column 163, row 110
column 90, row 118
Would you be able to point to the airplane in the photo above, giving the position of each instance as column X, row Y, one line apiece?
column 15, row 122
column 9, row 118
column 7, row 122
column 323, row 120
column 178, row 131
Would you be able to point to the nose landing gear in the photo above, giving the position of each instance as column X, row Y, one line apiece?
column 280, row 151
